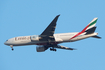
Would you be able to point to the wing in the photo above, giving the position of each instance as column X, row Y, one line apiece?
column 63, row 47
column 47, row 34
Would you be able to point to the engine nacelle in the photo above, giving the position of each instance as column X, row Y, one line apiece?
column 40, row 48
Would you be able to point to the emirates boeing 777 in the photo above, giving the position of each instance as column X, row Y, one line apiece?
column 47, row 39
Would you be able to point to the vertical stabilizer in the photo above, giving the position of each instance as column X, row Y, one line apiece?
column 92, row 23
column 90, row 28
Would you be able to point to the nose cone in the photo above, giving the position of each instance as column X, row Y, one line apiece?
column 5, row 43
column 9, row 41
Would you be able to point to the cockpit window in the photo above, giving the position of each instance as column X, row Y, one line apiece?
column 6, row 40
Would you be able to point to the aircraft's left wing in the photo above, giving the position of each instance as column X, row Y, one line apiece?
column 47, row 34
column 63, row 47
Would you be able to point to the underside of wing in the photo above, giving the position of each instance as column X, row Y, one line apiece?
column 47, row 34
column 63, row 47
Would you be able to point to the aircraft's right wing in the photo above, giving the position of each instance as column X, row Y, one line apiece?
column 63, row 47
column 47, row 34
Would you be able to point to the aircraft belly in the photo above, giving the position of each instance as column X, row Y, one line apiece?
column 21, row 42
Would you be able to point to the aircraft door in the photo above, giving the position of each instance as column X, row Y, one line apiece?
column 35, row 38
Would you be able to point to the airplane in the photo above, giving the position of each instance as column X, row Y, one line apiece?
column 47, row 39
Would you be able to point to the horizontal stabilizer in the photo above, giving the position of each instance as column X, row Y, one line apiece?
column 96, row 37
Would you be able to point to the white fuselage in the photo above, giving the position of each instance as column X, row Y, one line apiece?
column 34, row 39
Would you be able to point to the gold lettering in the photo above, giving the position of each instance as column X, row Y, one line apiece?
column 22, row 38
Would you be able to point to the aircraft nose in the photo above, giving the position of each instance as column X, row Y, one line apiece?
column 5, row 42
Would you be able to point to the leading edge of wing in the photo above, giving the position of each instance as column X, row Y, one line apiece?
column 49, row 31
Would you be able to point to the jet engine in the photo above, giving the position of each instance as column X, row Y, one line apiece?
column 40, row 48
